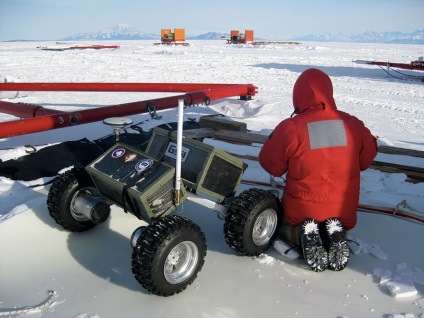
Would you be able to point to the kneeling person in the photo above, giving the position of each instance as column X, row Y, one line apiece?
column 322, row 150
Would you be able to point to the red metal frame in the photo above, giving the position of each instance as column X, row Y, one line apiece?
column 26, row 110
column 47, row 119
column 116, row 87
column 411, row 66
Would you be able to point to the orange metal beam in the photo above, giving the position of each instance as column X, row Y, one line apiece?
column 59, row 120
column 113, row 87
column 26, row 110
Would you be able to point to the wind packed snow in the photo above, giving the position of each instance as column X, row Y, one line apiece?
column 91, row 272
column 265, row 259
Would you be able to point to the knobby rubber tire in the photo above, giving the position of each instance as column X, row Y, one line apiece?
column 60, row 196
column 153, row 248
column 240, row 220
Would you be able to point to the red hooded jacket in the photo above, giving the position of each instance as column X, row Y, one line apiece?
column 323, row 151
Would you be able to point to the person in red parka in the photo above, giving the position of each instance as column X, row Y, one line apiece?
column 322, row 150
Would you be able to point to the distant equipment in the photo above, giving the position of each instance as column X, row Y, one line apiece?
column 241, row 38
column 172, row 38
column 248, row 38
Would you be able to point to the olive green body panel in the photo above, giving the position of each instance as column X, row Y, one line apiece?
column 203, row 168
column 137, row 182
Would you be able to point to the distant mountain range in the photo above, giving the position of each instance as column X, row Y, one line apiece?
column 127, row 32
column 416, row 37
column 118, row 32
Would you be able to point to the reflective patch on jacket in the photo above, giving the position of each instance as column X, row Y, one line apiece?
column 328, row 133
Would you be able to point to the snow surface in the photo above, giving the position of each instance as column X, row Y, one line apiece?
column 91, row 273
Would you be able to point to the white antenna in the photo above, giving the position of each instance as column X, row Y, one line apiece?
column 179, row 149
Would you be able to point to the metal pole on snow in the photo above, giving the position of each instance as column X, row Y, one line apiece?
column 47, row 119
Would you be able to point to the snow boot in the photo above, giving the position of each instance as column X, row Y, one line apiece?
column 338, row 250
column 313, row 251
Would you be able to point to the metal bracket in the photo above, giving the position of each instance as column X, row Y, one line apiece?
column 220, row 210
column 152, row 111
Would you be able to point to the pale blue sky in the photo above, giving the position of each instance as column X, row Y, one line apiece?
column 270, row 19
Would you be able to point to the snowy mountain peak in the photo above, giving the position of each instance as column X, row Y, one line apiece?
column 123, row 29
column 118, row 32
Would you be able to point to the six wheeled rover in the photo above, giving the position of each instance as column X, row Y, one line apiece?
column 169, row 252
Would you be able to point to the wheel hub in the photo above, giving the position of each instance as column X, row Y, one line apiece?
column 264, row 227
column 79, row 207
column 181, row 262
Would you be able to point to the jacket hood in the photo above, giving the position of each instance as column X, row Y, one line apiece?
column 313, row 90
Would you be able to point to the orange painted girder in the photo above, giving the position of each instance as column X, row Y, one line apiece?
column 59, row 120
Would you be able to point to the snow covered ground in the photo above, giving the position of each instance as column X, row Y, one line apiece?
column 91, row 273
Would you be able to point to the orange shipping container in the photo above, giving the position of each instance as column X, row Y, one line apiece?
column 249, row 35
column 164, row 33
column 179, row 34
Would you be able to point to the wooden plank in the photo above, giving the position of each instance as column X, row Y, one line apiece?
column 199, row 133
column 218, row 123
column 412, row 172
column 401, row 151
column 249, row 157
column 238, row 137
column 417, row 170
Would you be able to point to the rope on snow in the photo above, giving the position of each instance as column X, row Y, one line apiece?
column 413, row 77
column 30, row 309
